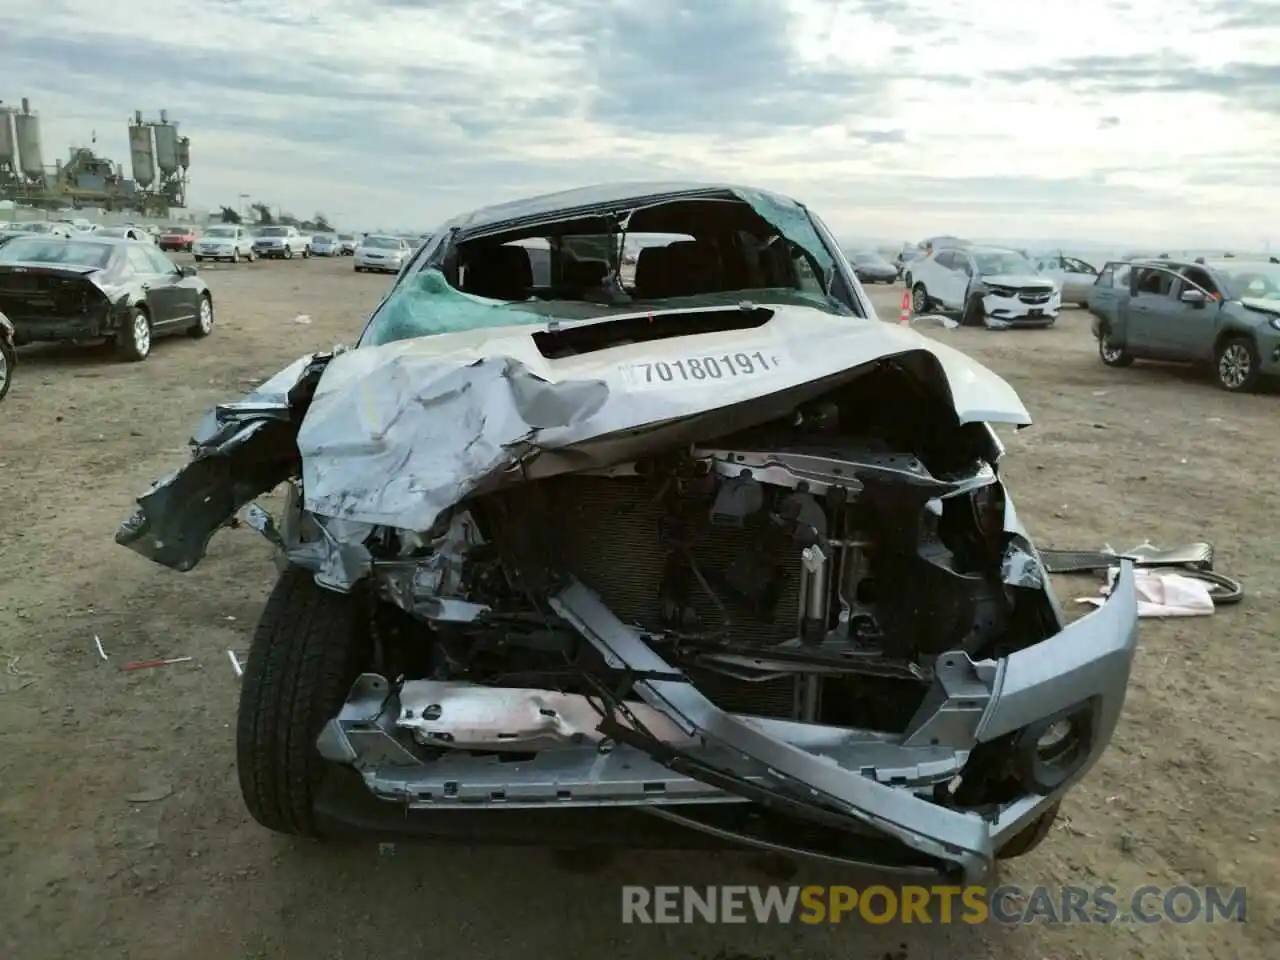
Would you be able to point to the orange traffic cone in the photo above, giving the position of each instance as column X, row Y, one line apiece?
column 905, row 315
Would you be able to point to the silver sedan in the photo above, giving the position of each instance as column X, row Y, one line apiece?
column 381, row 254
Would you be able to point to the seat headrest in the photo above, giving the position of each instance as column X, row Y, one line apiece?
column 584, row 274
column 693, row 267
column 651, row 272
column 499, row 272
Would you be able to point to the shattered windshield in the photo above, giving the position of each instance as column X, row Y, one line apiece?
column 683, row 253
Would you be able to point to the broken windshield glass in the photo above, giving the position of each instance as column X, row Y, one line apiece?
column 680, row 253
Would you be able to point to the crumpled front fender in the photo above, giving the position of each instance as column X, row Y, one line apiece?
column 240, row 451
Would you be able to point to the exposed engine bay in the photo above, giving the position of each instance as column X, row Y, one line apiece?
column 805, row 583
column 800, row 570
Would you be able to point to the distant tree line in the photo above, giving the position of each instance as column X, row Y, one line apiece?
column 262, row 216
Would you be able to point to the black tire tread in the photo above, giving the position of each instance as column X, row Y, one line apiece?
column 1031, row 836
column 306, row 652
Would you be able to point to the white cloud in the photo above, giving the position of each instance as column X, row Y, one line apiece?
column 1148, row 121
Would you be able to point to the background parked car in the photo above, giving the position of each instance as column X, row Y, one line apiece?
column 55, row 289
column 227, row 241
column 381, row 253
column 44, row 227
column 1074, row 277
column 281, row 243
column 871, row 267
column 903, row 262
column 347, row 243
column 994, row 286
column 120, row 233
column 1224, row 312
column 177, row 238
column 325, row 245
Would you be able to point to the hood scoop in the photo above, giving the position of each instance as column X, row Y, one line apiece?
column 591, row 337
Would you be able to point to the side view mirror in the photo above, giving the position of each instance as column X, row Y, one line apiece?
column 188, row 270
column 1194, row 297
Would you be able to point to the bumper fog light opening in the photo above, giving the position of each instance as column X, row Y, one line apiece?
column 1051, row 750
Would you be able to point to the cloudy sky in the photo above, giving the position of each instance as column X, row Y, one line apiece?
column 1126, row 120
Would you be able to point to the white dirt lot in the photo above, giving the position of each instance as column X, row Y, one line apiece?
column 1187, row 793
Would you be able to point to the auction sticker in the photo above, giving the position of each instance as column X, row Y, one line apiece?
column 704, row 369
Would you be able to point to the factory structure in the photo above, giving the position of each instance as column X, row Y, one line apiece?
column 158, row 156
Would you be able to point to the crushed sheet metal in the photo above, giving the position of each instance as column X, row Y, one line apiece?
column 398, row 433
column 1021, row 567
column 936, row 831
column 470, row 716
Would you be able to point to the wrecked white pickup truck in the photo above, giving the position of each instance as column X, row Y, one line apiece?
column 706, row 542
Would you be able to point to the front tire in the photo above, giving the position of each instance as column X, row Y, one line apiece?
column 288, row 253
column 919, row 299
column 1236, row 364
column 235, row 256
column 1032, row 835
column 975, row 314
column 308, row 649
column 1110, row 354
column 133, row 341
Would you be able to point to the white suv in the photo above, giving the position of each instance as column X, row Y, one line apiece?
column 988, row 286
column 224, row 242
column 283, row 242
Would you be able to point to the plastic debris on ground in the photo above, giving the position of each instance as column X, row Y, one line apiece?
column 935, row 320
column 1163, row 593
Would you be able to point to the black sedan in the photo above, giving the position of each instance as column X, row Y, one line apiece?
column 870, row 267
column 124, row 291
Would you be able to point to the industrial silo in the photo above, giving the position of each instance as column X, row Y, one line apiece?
column 166, row 147
column 8, row 144
column 141, row 153
column 27, row 126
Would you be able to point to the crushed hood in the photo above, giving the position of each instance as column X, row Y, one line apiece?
column 398, row 433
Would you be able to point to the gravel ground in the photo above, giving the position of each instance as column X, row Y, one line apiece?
column 1186, row 794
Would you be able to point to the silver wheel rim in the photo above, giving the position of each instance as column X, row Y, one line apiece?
column 206, row 315
column 918, row 300
column 141, row 335
column 1109, row 353
column 4, row 370
column 235, row 256
column 1234, row 366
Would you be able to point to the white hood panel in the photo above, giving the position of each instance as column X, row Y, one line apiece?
column 398, row 433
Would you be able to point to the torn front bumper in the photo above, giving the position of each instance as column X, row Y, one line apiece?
column 888, row 790
column 1021, row 309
